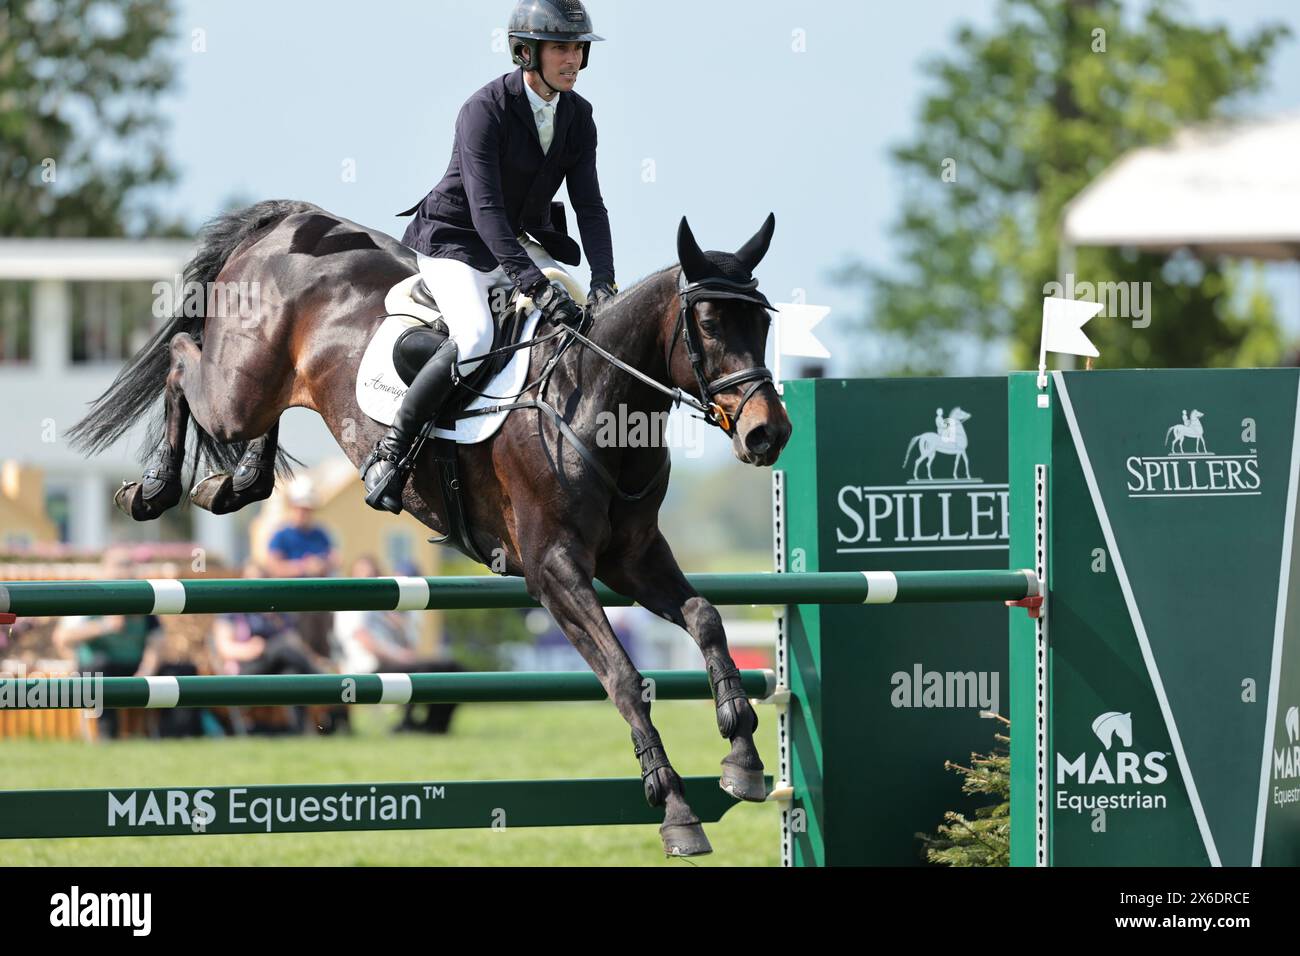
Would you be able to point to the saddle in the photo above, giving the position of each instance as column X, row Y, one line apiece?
column 417, row 343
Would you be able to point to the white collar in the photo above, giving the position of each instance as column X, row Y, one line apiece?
column 536, row 101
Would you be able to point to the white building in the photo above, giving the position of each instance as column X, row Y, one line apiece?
column 72, row 312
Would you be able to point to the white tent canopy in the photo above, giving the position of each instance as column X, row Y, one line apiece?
column 1219, row 190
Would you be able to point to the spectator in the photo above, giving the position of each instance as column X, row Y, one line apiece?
column 303, row 549
column 263, row 643
column 260, row 642
column 112, row 645
column 373, row 642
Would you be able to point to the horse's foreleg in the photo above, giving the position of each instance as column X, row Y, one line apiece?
column 655, row 581
column 565, row 589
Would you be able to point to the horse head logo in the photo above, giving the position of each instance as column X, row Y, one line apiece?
column 1113, row 724
column 1293, row 724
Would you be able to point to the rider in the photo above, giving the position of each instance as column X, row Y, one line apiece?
column 516, row 139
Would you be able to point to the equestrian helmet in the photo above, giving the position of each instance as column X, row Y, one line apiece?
column 563, row 21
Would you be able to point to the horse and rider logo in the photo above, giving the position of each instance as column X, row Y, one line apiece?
column 1192, row 428
column 948, row 438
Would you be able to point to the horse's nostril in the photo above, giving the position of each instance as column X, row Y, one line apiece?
column 758, row 440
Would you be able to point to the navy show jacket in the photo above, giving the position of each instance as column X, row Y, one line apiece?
column 499, row 184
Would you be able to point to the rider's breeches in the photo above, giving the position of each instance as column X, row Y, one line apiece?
column 462, row 295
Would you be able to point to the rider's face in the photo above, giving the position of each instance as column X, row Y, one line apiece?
column 560, row 63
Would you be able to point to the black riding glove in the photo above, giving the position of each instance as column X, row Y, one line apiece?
column 601, row 292
column 557, row 305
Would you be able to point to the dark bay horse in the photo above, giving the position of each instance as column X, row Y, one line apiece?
column 301, row 291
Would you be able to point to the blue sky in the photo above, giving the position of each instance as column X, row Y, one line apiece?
column 734, row 121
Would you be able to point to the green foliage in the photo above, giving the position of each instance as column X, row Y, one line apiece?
column 1022, row 119
column 986, row 839
column 79, row 130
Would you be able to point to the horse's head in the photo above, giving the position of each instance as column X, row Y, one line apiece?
column 722, row 321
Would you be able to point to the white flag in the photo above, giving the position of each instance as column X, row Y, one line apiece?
column 794, row 334
column 1063, row 321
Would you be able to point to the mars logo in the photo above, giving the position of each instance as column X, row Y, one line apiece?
column 928, row 511
column 1286, row 762
column 1115, row 766
column 1190, row 469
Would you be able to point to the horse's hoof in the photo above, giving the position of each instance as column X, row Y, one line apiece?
column 214, row 493
column 684, row 839
column 132, row 503
column 743, row 784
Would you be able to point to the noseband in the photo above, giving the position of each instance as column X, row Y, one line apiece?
column 708, row 290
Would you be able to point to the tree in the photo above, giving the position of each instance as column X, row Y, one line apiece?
column 1019, row 122
column 79, row 131
column 984, row 840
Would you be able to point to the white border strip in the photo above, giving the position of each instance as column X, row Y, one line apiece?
column 882, row 587
column 1279, row 632
column 396, row 689
column 412, row 594
column 1139, row 628
column 163, row 692
column 168, row 595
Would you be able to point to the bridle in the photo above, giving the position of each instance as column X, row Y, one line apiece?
column 708, row 290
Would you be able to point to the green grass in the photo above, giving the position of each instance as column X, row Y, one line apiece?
column 487, row 741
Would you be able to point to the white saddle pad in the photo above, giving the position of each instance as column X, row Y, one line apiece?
column 380, row 389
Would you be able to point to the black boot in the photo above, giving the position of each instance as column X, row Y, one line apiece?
column 382, row 472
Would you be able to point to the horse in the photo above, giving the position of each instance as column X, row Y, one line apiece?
column 310, row 286
column 1193, row 428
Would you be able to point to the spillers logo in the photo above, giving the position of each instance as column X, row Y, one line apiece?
column 932, row 509
column 1116, row 764
column 1190, row 469
column 1286, row 762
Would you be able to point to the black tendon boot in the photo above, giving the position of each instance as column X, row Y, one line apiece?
column 384, row 478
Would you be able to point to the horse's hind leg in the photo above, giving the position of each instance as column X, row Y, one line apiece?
column 565, row 589
column 655, row 581
column 253, row 480
column 160, row 487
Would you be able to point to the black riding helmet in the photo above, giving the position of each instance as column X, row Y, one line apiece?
column 564, row 21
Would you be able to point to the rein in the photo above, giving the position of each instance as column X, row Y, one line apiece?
column 703, row 290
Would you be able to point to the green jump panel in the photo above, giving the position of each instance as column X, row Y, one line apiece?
column 1156, row 704
column 335, row 807
column 881, row 697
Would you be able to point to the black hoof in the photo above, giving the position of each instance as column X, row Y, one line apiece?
column 743, row 784
column 684, row 839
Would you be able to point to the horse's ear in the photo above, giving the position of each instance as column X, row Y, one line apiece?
column 694, row 263
column 752, row 252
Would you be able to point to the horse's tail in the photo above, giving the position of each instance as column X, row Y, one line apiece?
column 142, row 381
column 910, row 445
column 1170, row 432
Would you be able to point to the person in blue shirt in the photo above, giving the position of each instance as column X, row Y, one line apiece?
column 302, row 548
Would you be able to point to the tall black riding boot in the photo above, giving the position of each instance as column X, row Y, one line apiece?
column 382, row 472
